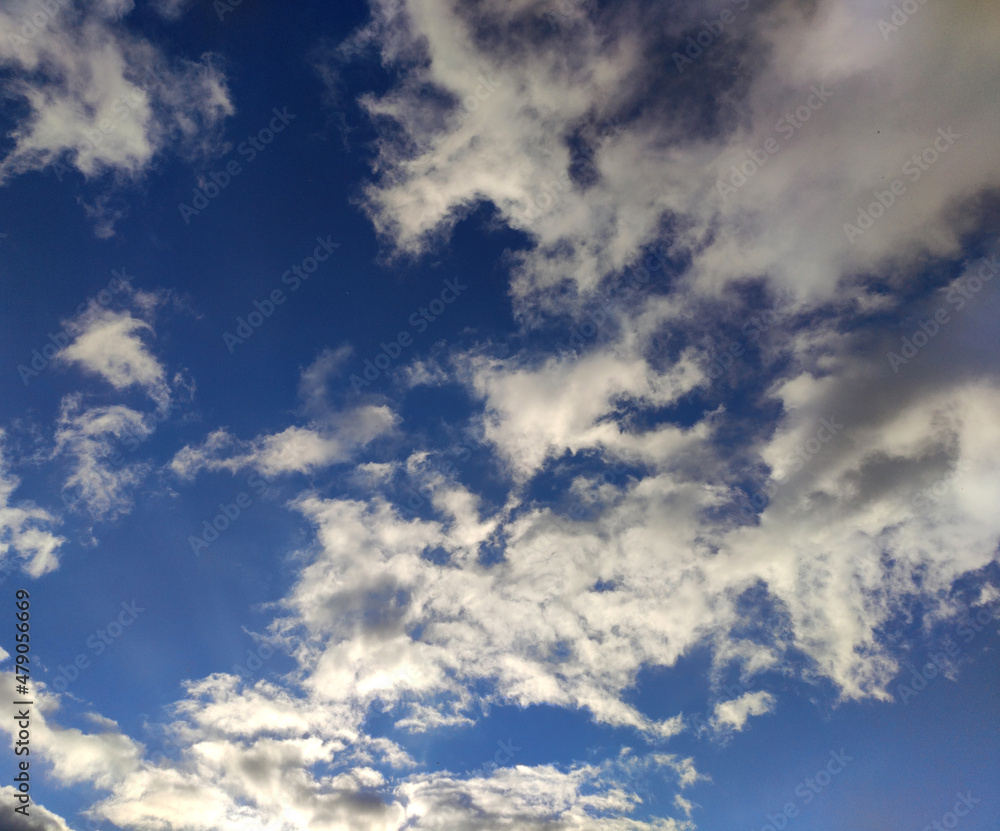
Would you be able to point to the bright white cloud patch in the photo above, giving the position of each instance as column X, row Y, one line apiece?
column 99, row 98
column 111, row 345
column 24, row 529
column 734, row 714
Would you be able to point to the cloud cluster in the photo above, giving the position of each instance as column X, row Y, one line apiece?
column 97, row 97
column 597, row 155
column 25, row 528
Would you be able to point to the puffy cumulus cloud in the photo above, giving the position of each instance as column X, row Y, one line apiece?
column 600, row 154
column 39, row 819
column 98, row 439
column 97, row 97
column 110, row 344
column 24, row 529
column 734, row 714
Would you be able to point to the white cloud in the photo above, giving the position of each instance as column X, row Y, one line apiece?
column 39, row 817
column 331, row 437
column 293, row 450
column 99, row 98
column 110, row 345
column 591, row 211
column 734, row 714
column 171, row 9
column 99, row 440
column 24, row 528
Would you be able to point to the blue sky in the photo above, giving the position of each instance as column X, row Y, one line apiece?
column 436, row 415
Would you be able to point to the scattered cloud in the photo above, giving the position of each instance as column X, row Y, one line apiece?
column 24, row 528
column 99, row 98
